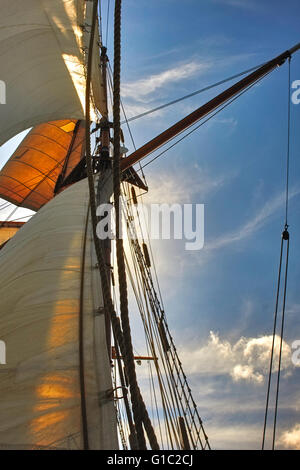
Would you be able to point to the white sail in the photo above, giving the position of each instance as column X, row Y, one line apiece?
column 42, row 54
column 42, row 270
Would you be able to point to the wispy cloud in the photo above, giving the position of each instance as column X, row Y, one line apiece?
column 254, row 224
column 245, row 4
column 145, row 86
column 191, row 184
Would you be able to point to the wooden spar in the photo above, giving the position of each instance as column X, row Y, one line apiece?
column 205, row 109
column 11, row 224
column 184, row 440
column 137, row 358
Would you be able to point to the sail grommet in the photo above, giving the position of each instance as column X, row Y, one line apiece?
column 99, row 311
column 105, row 396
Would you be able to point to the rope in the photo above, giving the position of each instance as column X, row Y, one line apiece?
column 101, row 263
column 127, row 123
column 100, row 21
column 201, row 90
column 107, row 23
column 132, row 436
column 81, row 347
column 272, row 347
column 139, row 410
column 203, row 122
column 87, row 134
column 285, row 237
column 174, row 391
column 288, row 145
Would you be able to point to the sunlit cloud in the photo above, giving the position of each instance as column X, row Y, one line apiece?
column 145, row 86
column 290, row 439
column 245, row 360
column 192, row 184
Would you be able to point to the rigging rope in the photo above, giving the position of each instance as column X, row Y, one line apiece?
column 203, row 122
column 201, row 90
column 139, row 410
column 101, row 263
column 100, row 21
column 284, row 237
column 126, row 120
column 174, row 391
column 89, row 173
column 81, row 343
column 107, row 22
column 132, row 436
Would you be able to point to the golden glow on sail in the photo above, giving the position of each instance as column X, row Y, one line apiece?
column 54, row 390
column 29, row 177
column 8, row 230
column 40, row 292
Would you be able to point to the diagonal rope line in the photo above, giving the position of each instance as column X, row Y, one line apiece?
column 281, row 337
column 204, row 122
column 288, row 144
column 285, row 237
column 190, row 95
column 272, row 347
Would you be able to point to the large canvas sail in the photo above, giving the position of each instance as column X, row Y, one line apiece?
column 48, row 285
column 43, row 53
column 48, row 152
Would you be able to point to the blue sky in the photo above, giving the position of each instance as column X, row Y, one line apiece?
column 235, row 165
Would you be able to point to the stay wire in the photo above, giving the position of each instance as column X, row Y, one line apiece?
column 281, row 338
column 100, row 19
column 110, row 74
column 272, row 347
column 190, row 95
column 107, row 22
column 285, row 236
column 204, row 122
column 288, row 143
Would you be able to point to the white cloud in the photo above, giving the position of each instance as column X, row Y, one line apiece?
column 234, row 437
column 245, row 372
column 145, row 86
column 290, row 439
column 245, row 360
column 192, row 184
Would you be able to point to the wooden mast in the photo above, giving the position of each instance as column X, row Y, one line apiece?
column 205, row 109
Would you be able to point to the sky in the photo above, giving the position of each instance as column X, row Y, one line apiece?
column 220, row 300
